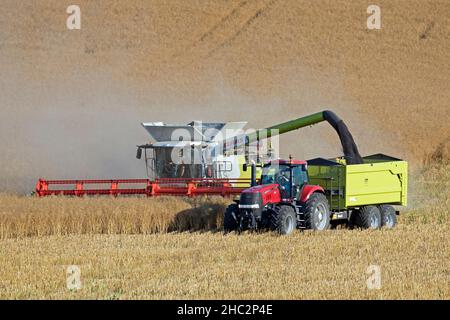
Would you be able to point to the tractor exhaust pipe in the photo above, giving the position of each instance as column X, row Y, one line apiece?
column 253, row 174
column 139, row 153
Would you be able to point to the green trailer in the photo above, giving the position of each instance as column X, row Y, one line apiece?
column 379, row 181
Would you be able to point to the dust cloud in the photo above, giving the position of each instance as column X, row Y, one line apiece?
column 64, row 131
column 87, row 126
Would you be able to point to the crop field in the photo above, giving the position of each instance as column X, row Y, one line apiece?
column 174, row 249
column 71, row 107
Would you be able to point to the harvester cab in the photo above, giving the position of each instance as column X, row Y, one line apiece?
column 283, row 201
column 189, row 150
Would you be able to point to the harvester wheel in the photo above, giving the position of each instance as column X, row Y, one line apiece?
column 367, row 217
column 317, row 212
column 283, row 219
column 388, row 216
column 230, row 219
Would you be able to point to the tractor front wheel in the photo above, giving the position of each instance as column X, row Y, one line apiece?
column 283, row 219
column 231, row 218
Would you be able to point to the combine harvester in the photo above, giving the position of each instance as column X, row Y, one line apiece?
column 277, row 194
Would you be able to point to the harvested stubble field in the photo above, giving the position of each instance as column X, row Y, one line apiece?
column 174, row 249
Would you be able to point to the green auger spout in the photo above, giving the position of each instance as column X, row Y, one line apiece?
column 349, row 147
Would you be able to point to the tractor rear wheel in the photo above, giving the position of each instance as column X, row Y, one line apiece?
column 367, row 217
column 317, row 212
column 388, row 216
column 231, row 218
column 283, row 219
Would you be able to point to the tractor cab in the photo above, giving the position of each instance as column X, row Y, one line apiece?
column 290, row 176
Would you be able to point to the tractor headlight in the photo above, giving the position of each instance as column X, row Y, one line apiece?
column 251, row 201
column 249, row 206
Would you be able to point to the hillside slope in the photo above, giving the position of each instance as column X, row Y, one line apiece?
column 72, row 100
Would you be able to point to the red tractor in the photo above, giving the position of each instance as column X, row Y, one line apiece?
column 283, row 201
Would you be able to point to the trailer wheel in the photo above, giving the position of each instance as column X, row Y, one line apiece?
column 388, row 216
column 317, row 212
column 231, row 217
column 367, row 217
column 283, row 219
